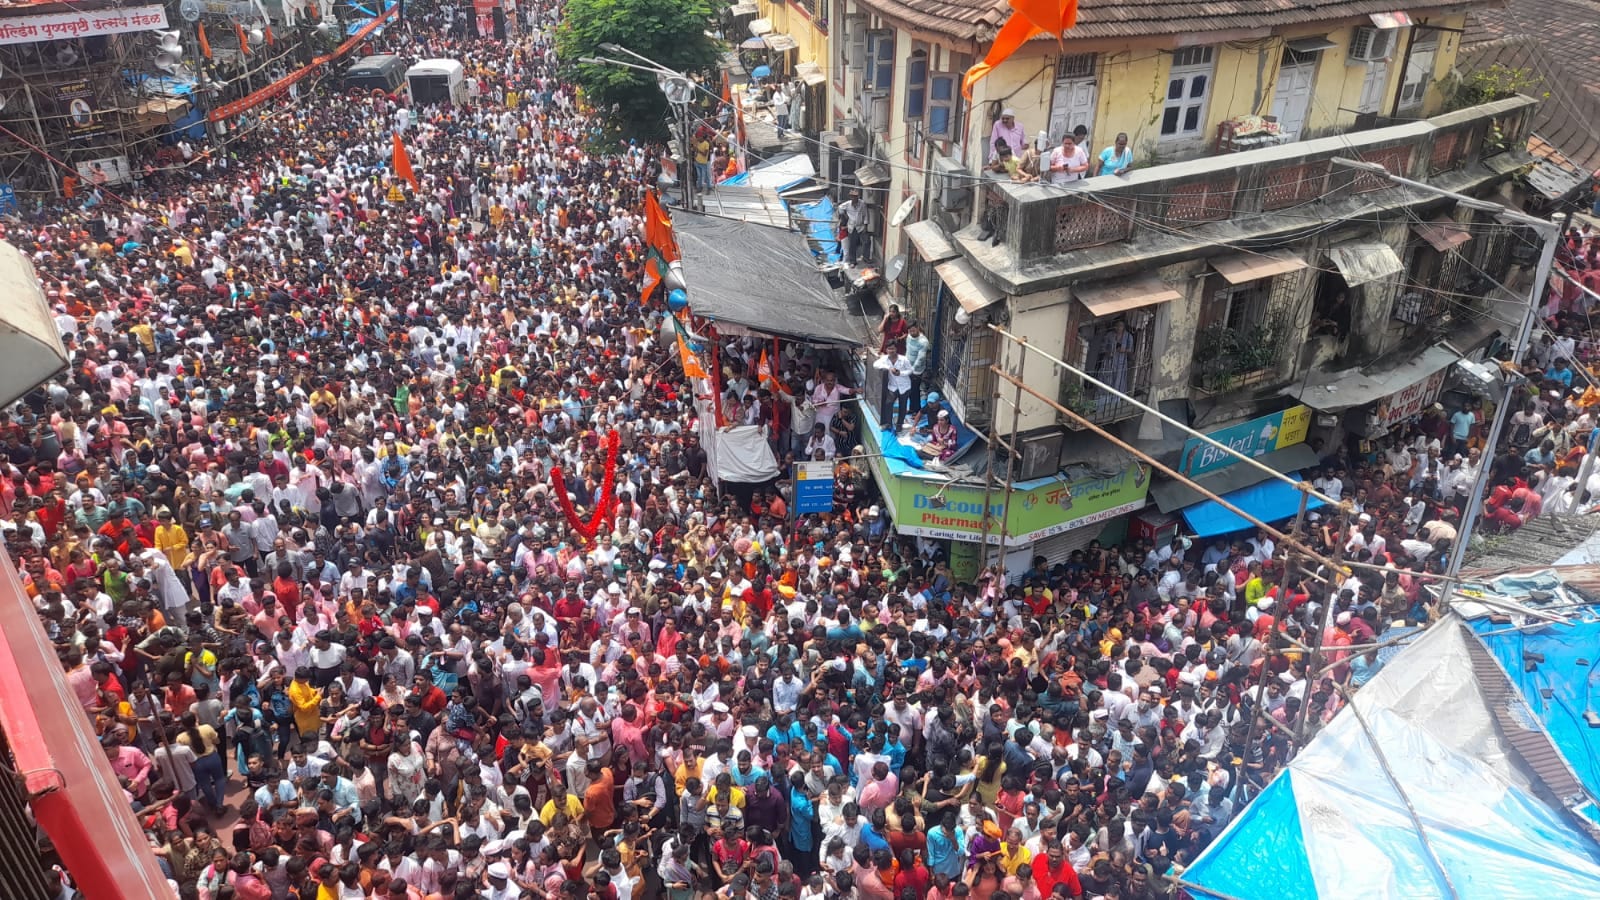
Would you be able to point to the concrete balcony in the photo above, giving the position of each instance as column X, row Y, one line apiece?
column 1053, row 236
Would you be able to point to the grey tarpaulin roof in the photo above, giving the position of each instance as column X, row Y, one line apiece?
column 764, row 279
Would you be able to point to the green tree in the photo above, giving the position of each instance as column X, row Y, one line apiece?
column 672, row 33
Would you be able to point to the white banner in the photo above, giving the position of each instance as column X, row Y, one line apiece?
column 60, row 26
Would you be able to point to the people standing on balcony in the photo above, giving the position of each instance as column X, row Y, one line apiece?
column 916, row 345
column 1068, row 162
column 1116, row 159
column 896, row 402
column 1008, row 130
column 1116, row 355
column 852, row 227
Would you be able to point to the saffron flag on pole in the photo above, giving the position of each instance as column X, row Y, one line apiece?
column 244, row 45
column 402, row 162
column 692, row 367
column 662, row 246
column 1029, row 18
column 205, row 45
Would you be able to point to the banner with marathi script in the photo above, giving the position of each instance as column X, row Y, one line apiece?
column 60, row 26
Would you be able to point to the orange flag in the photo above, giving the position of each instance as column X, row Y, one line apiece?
column 1029, row 18
column 244, row 44
column 1053, row 16
column 658, row 228
column 652, row 278
column 267, row 27
column 205, row 45
column 690, row 360
column 402, row 163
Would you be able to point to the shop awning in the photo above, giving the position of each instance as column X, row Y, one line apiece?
column 1311, row 45
column 1357, row 387
column 872, row 175
column 971, row 291
column 1363, row 262
column 1245, row 267
column 810, row 73
column 780, row 42
column 1270, row 501
column 1443, row 234
column 1129, row 293
column 744, row 9
column 760, row 27
column 931, row 242
column 1171, row 496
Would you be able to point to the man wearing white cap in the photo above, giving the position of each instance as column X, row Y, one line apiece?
column 1008, row 129
column 500, row 886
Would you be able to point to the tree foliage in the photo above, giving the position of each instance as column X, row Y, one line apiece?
column 672, row 33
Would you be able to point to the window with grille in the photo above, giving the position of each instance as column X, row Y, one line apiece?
column 970, row 353
column 1188, row 87
column 809, row 7
column 1077, row 65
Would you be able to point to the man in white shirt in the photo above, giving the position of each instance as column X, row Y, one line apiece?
column 896, row 388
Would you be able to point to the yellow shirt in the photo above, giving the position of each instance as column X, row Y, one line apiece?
column 306, row 701
column 570, row 805
column 173, row 541
column 1013, row 857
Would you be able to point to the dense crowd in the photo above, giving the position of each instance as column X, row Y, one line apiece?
column 289, row 519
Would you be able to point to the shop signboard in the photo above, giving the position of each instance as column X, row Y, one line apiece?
column 934, row 509
column 80, row 24
column 1254, row 438
column 813, row 487
column 1402, row 405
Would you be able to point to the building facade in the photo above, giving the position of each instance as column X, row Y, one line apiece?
column 1239, row 270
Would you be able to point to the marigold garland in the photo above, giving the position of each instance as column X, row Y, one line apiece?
column 605, row 506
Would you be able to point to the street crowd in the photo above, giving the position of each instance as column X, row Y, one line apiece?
column 289, row 519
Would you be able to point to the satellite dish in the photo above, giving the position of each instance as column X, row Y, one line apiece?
column 190, row 10
column 895, row 268
column 256, row 37
column 903, row 213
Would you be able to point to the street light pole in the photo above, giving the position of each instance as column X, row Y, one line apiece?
column 1536, row 293
column 679, row 90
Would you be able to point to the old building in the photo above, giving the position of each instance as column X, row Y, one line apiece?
column 1236, row 270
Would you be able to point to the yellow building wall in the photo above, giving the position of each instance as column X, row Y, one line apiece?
column 786, row 19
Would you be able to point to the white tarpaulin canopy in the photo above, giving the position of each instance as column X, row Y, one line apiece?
column 30, row 345
column 743, row 456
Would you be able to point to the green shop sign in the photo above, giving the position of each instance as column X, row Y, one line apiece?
column 929, row 508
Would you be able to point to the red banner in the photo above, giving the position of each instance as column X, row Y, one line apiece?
column 251, row 101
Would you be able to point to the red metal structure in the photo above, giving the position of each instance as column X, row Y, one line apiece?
column 83, row 809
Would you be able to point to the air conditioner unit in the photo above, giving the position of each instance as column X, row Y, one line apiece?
column 1371, row 44
column 952, row 184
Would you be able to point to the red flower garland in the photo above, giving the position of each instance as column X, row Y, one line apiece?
column 606, row 506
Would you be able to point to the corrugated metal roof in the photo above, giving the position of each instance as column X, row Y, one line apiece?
column 1539, row 542
column 1537, row 752
column 1568, row 114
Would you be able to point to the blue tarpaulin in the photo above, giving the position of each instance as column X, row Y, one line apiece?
column 905, row 454
column 1269, row 501
column 817, row 221
column 1570, row 671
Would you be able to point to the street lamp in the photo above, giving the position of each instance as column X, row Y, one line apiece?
column 679, row 91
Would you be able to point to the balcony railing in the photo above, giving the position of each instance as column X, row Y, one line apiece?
column 1236, row 196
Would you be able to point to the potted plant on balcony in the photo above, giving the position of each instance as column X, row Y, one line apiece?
column 1074, row 397
column 1231, row 358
